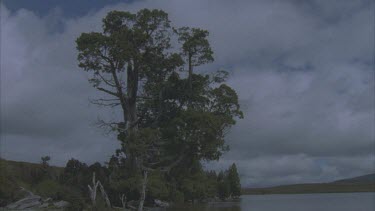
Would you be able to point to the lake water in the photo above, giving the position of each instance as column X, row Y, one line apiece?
column 293, row 202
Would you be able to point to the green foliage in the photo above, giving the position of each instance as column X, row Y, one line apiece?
column 223, row 186
column 128, row 186
column 55, row 190
column 76, row 174
column 229, row 183
column 177, row 196
column 195, row 45
column 234, row 181
column 195, row 183
column 157, row 187
column 129, row 40
column 199, row 187
column 8, row 186
column 170, row 122
column 187, row 182
column 48, row 188
column 74, row 167
column 124, row 37
column 24, row 173
column 45, row 160
column 76, row 198
column 30, row 176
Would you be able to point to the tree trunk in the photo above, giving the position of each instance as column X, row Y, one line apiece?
column 131, row 112
column 104, row 195
column 132, row 90
column 190, row 76
column 123, row 201
column 143, row 191
column 92, row 190
column 132, row 115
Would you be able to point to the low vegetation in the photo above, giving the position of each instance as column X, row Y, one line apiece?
column 70, row 183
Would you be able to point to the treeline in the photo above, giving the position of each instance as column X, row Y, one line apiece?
column 189, row 185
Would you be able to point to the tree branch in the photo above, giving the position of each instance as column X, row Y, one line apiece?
column 108, row 92
column 105, row 80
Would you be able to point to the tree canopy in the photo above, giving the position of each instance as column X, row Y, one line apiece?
column 167, row 119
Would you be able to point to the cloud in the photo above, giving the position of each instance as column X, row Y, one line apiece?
column 318, row 113
column 44, row 98
column 303, row 71
column 273, row 170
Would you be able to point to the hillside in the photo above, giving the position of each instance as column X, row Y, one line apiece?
column 24, row 171
column 14, row 174
column 365, row 183
column 369, row 178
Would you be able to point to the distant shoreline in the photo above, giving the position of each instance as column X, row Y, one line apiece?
column 311, row 189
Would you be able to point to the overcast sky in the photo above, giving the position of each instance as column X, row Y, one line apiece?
column 304, row 72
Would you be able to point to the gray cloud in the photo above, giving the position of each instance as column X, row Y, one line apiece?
column 265, row 170
column 303, row 71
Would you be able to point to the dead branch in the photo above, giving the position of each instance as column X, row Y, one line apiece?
column 92, row 190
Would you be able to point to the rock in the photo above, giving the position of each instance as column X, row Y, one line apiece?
column 29, row 193
column 26, row 202
column 132, row 203
column 44, row 205
column 155, row 209
column 120, row 208
column 160, row 203
column 29, row 205
column 61, row 204
column 47, row 200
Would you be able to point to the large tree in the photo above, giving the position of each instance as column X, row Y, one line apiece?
column 166, row 119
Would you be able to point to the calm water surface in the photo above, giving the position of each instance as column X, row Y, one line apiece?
column 293, row 202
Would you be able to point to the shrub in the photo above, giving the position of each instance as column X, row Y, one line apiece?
column 48, row 188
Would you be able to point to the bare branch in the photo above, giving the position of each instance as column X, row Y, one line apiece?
column 105, row 80
column 104, row 102
column 164, row 168
column 108, row 92
column 104, row 194
column 123, row 200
